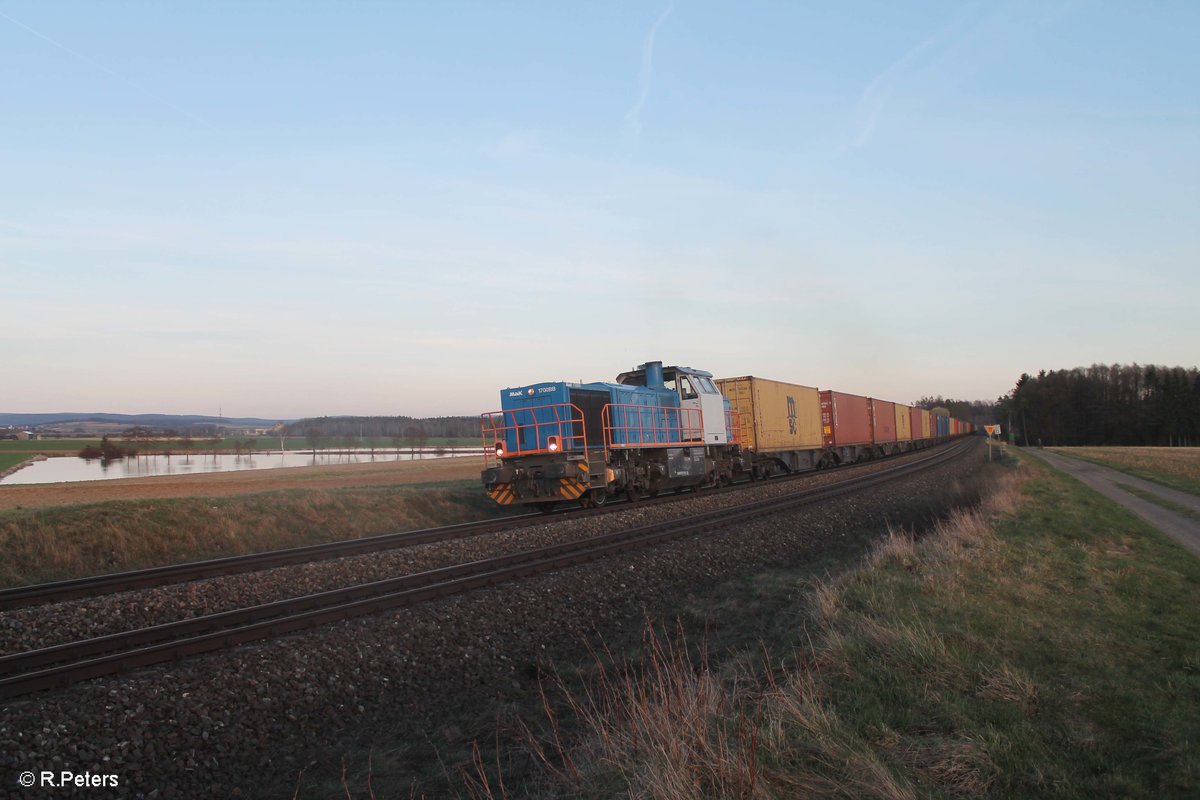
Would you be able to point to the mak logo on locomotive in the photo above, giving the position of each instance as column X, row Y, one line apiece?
column 530, row 391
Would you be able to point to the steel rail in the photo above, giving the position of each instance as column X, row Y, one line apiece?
column 94, row 585
column 111, row 583
column 77, row 661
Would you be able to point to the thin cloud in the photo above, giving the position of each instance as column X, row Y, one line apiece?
column 633, row 117
column 973, row 37
column 874, row 98
column 111, row 73
column 881, row 88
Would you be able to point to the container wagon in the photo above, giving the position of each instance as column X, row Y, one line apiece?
column 920, row 424
column 847, row 428
column 941, row 426
column 904, row 430
column 778, row 424
column 883, row 419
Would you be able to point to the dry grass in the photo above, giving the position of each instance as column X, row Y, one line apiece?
column 665, row 727
column 60, row 543
column 668, row 725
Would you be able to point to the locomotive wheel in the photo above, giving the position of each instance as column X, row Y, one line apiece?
column 632, row 494
column 593, row 499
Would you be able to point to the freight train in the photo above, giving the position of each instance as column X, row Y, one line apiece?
column 674, row 428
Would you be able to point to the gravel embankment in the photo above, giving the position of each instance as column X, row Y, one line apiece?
column 246, row 722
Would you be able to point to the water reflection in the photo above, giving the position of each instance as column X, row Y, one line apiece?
column 72, row 468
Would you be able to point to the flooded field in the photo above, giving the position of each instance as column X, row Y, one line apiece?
column 67, row 469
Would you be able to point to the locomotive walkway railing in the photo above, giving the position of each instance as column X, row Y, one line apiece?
column 628, row 426
column 555, row 428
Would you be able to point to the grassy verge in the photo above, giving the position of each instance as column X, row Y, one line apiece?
column 1177, row 467
column 73, row 541
column 1045, row 644
column 11, row 460
column 1159, row 500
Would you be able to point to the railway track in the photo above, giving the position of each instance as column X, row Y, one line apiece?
column 96, row 585
column 62, row 665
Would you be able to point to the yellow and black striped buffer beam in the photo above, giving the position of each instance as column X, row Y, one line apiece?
column 502, row 493
column 570, row 488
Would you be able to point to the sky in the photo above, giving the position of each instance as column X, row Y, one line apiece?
column 294, row 209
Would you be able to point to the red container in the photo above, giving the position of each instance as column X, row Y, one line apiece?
column 918, row 430
column 884, row 419
column 845, row 419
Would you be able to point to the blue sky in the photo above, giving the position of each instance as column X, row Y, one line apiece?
column 290, row 209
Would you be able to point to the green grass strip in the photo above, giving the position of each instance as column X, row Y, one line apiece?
column 12, row 459
column 1159, row 500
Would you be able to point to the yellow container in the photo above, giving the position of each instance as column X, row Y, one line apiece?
column 903, row 422
column 926, row 424
column 772, row 415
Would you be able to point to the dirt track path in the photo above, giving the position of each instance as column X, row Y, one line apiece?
column 1180, row 527
column 225, row 484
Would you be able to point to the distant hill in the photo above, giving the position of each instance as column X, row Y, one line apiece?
column 176, row 421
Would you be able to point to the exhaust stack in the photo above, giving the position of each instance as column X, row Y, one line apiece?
column 654, row 374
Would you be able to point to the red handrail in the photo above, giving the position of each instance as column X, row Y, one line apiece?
column 567, row 424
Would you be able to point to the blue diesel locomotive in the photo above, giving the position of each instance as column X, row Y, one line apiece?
column 656, row 428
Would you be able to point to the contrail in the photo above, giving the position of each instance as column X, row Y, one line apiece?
column 92, row 62
column 875, row 96
column 633, row 117
column 974, row 36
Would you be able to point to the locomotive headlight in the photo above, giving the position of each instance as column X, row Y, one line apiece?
column 499, row 450
column 552, row 444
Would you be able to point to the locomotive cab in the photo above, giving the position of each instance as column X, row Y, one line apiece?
column 695, row 389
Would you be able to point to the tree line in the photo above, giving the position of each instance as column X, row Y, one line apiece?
column 978, row 412
column 409, row 428
column 1130, row 404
